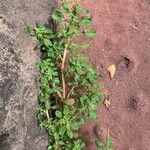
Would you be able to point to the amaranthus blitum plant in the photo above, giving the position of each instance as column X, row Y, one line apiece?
column 69, row 92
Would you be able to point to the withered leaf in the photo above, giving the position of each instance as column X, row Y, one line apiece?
column 107, row 102
column 111, row 69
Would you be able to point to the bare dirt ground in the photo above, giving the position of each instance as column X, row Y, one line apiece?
column 123, row 39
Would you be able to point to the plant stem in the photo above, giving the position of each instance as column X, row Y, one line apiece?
column 62, row 70
column 70, row 91
column 62, row 73
column 59, row 95
column 47, row 114
column 108, row 131
column 76, row 115
column 56, row 146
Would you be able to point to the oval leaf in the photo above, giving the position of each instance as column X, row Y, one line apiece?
column 84, row 45
column 58, row 114
column 30, row 31
column 70, row 101
column 57, row 15
column 85, row 11
column 65, row 6
column 70, row 134
column 90, row 32
column 85, row 20
column 47, row 105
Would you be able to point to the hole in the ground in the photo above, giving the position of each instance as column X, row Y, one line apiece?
column 132, row 104
column 108, row 45
column 125, row 64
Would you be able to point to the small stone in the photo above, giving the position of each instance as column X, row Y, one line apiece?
column 100, row 132
column 97, row 131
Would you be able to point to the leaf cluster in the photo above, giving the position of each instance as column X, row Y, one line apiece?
column 61, row 116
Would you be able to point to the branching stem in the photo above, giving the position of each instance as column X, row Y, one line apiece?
column 62, row 71
column 75, row 116
column 47, row 114
column 59, row 95
column 69, row 93
column 56, row 148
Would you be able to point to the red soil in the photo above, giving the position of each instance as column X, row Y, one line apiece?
column 123, row 39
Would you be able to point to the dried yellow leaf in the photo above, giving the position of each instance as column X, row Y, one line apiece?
column 107, row 103
column 111, row 69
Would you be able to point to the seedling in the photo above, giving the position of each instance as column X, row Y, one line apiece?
column 69, row 92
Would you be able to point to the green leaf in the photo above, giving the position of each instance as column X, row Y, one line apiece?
column 56, row 136
column 57, row 15
column 70, row 101
column 38, row 25
column 48, row 36
column 50, row 148
column 99, row 144
column 109, row 142
column 47, row 105
column 47, row 42
column 61, row 143
column 65, row 6
column 90, row 32
column 75, row 9
column 85, row 11
column 72, row 47
column 62, row 130
column 66, row 111
column 80, row 121
column 78, row 144
column 72, row 31
column 70, row 134
column 82, row 145
column 93, row 115
column 84, row 45
column 58, row 114
column 86, row 20
column 75, row 125
column 62, row 121
column 30, row 31
column 68, row 126
column 53, row 107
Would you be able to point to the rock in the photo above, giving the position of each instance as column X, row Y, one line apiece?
column 100, row 132
column 19, row 128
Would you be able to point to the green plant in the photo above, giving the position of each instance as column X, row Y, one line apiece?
column 69, row 92
column 104, row 145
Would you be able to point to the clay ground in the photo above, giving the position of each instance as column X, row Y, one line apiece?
column 123, row 39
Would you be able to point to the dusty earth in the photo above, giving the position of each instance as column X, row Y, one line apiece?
column 123, row 39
